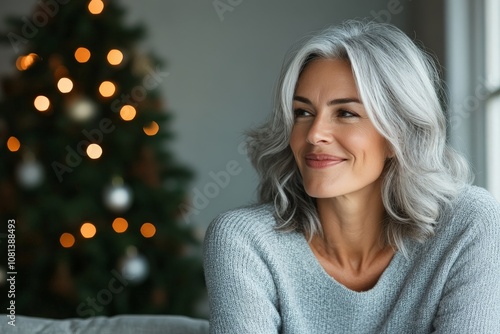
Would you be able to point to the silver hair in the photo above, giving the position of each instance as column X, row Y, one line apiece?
column 400, row 88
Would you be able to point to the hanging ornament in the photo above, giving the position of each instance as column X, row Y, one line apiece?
column 117, row 196
column 81, row 109
column 29, row 172
column 134, row 267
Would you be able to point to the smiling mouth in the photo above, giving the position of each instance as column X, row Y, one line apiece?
column 322, row 160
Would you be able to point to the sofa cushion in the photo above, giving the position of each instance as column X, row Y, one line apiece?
column 121, row 324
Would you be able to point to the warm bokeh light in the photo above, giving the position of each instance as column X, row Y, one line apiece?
column 94, row 151
column 88, row 230
column 120, row 225
column 13, row 144
column 96, row 6
column 42, row 103
column 115, row 57
column 148, row 230
column 65, row 85
column 151, row 129
column 107, row 88
column 25, row 62
column 127, row 112
column 67, row 240
column 82, row 55
column 20, row 64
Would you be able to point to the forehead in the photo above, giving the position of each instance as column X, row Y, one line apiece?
column 327, row 74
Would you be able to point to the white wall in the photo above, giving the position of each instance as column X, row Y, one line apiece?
column 223, row 72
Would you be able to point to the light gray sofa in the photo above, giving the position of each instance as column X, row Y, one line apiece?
column 122, row 324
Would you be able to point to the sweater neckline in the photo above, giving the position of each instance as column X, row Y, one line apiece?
column 319, row 271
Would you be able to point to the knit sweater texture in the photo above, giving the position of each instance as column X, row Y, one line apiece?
column 263, row 281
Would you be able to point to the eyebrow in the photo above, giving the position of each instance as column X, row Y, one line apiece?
column 331, row 102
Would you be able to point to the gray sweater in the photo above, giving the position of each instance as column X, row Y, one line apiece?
column 262, row 281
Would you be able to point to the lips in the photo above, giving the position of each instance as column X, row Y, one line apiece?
column 322, row 160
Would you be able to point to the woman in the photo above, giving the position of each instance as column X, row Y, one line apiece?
column 367, row 222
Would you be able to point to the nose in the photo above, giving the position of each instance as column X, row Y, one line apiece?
column 320, row 132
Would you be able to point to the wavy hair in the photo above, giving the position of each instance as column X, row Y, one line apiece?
column 399, row 85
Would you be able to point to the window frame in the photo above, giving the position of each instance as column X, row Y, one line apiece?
column 470, row 91
column 492, row 74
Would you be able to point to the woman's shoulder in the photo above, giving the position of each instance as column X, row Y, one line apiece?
column 477, row 208
column 249, row 212
column 474, row 200
column 251, row 221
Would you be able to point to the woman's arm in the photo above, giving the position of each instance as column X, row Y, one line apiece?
column 241, row 291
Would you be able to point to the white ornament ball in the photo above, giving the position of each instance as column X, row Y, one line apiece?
column 135, row 268
column 118, row 198
column 82, row 109
column 30, row 174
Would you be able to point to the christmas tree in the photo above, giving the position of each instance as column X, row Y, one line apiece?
column 86, row 179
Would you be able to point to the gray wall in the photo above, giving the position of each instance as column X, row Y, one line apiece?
column 222, row 74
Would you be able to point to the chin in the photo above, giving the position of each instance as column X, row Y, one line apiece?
column 321, row 193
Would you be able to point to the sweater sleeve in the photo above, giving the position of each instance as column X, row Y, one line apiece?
column 471, row 298
column 241, row 291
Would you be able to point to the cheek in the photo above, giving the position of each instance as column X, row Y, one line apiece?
column 356, row 141
column 367, row 145
column 297, row 144
column 297, row 139
column 379, row 144
column 378, row 151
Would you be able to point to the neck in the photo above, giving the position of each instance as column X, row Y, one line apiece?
column 352, row 229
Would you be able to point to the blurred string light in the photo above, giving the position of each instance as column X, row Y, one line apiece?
column 88, row 230
column 151, row 129
column 115, row 57
column 67, row 240
column 94, row 151
column 13, row 144
column 96, row 6
column 127, row 112
column 65, row 85
column 25, row 62
column 120, row 225
column 82, row 55
column 42, row 103
column 148, row 230
column 107, row 88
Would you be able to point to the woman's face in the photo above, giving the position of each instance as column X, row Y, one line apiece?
column 336, row 147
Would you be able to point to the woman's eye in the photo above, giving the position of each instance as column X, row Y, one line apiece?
column 301, row 113
column 347, row 114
